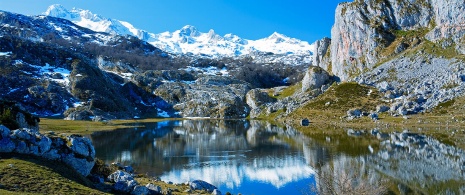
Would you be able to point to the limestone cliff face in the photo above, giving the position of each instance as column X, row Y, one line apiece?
column 449, row 19
column 363, row 28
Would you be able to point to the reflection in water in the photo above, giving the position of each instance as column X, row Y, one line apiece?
column 232, row 155
column 253, row 157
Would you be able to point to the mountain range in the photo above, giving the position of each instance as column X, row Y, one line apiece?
column 188, row 40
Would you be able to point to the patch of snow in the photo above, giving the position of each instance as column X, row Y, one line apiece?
column 8, row 53
column 162, row 113
column 77, row 104
column 13, row 90
column 136, row 117
column 48, row 70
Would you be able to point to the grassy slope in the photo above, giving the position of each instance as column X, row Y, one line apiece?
column 88, row 127
column 21, row 174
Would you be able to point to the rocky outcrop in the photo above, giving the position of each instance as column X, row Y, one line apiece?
column 315, row 77
column 256, row 98
column 321, row 49
column 363, row 28
column 75, row 151
column 209, row 96
column 413, row 157
column 449, row 17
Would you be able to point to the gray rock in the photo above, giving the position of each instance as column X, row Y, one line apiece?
column 201, row 185
column 374, row 116
column 128, row 169
column 81, row 165
column 81, row 145
column 354, row 133
column 314, row 78
column 22, row 148
column 322, row 47
column 354, row 113
column 256, row 97
column 305, row 122
column 6, row 145
column 216, row 192
column 21, row 134
column 44, row 144
column 382, row 108
column 153, row 189
column 4, row 131
column 140, row 190
column 382, row 136
column 124, row 186
column 120, row 176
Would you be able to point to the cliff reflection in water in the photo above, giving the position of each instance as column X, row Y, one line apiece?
column 250, row 156
column 224, row 152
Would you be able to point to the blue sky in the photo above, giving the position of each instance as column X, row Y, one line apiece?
column 308, row 20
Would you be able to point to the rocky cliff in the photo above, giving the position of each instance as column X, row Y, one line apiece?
column 411, row 50
column 365, row 30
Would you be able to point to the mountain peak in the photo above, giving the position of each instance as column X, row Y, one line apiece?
column 56, row 10
column 189, row 30
column 277, row 37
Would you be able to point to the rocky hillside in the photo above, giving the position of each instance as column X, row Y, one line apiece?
column 52, row 67
column 411, row 51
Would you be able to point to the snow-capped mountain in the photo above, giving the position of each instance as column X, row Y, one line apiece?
column 188, row 40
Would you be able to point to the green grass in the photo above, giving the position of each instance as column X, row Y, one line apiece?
column 88, row 127
column 289, row 91
column 22, row 174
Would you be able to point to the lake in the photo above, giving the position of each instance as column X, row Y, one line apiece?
column 255, row 157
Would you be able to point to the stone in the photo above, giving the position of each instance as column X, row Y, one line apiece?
column 21, row 134
column 22, row 148
column 128, row 169
column 81, row 145
column 6, row 145
column 352, row 132
column 216, row 192
column 4, row 131
column 81, row 165
column 314, row 78
column 305, row 122
column 120, row 176
column 201, row 185
column 44, row 144
column 140, row 190
column 255, row 98
column 382, row 136
column 382, row 108
column 153, row 189
column 354, row 113
column 374, row 116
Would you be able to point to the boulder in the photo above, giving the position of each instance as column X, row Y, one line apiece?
column 81, row 145
column 354, row 113
column 140, row 190
column 256, row 97
column 153, row 189
column 201, row 185
column 4, row 131
column 6, row 145
column 216, row 192
column 120, row 176
column 315, row 77
column 305, row 122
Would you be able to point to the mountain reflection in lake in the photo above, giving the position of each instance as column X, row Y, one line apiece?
column 250, row 157
column 253, row 157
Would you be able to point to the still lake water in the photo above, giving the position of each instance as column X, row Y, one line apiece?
column 254, row 157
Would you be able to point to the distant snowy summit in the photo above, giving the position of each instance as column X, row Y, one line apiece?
column 188, row 40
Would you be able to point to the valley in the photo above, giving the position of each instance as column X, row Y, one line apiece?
column 384, row 95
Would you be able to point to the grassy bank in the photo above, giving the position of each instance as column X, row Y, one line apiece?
column 88, row 127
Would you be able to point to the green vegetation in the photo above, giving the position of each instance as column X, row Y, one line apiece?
column 88, row 127
column 25, row 174
column 9, row 112
column 287, row 92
